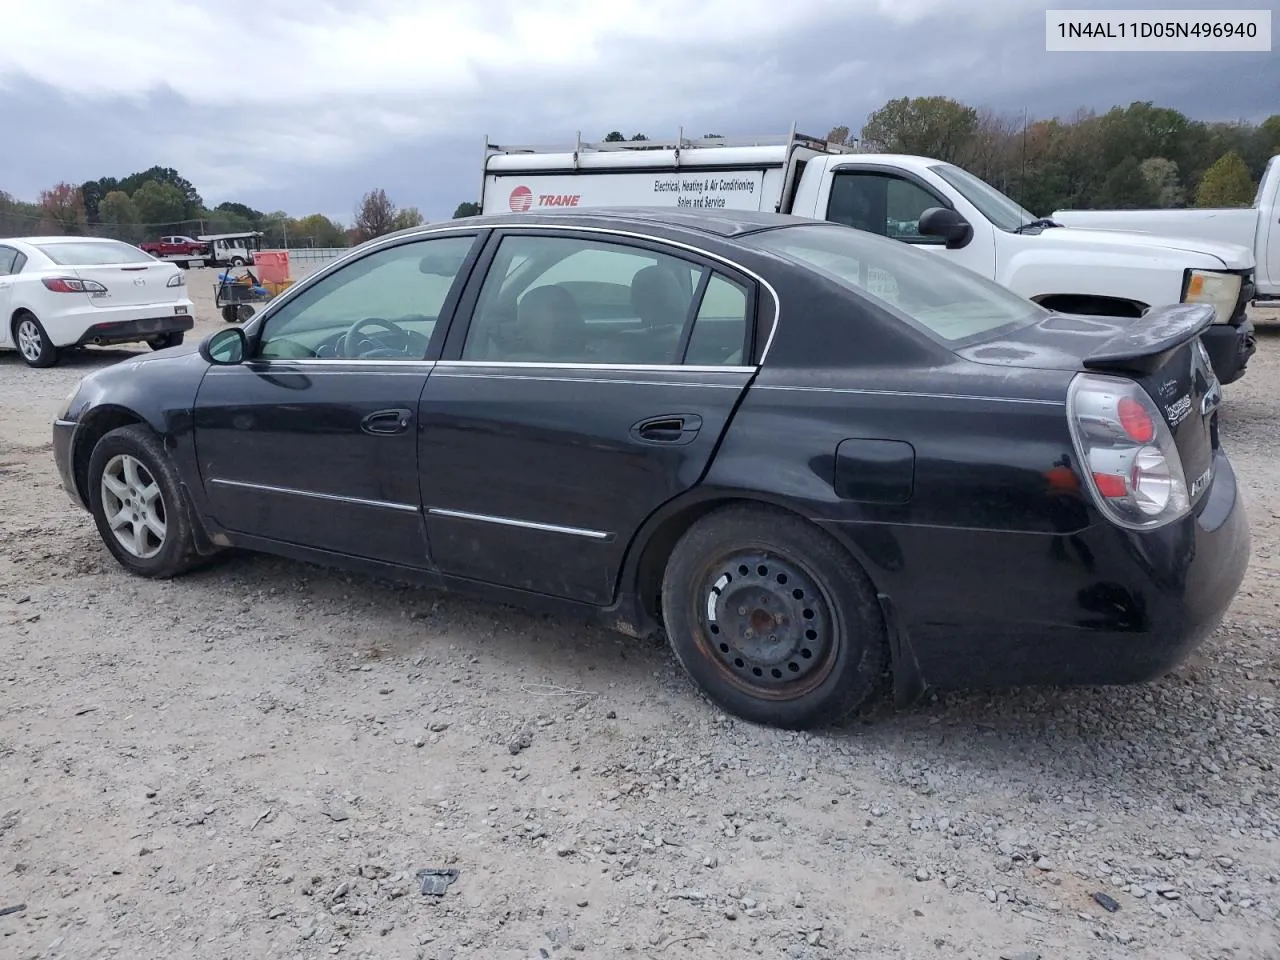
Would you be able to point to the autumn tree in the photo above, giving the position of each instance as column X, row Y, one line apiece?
column 375, row 216
column 468, row 209
column 62, row 208
column 118, row 217
column 1226, row 184
column 937, row 127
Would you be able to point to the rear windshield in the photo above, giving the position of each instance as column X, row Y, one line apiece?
column 73, row 253
column 950, row 302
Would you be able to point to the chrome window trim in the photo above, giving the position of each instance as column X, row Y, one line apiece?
column 435, row 230
column 524, row 524
column 316, row 495
column 909, row 393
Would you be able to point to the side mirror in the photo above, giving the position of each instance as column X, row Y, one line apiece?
column 225, row 347
column 946, row 223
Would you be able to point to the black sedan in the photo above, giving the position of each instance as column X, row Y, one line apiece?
column 811, row 456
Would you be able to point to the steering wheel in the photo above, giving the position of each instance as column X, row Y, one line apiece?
column 353, row 334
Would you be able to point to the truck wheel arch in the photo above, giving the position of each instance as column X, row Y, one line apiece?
column 1091, row 305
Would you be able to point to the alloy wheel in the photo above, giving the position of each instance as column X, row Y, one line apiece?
column 133, row 506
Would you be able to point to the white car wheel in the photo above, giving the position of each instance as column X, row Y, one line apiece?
column 32, row 342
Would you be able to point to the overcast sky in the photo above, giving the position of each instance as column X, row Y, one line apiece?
column 303, row 105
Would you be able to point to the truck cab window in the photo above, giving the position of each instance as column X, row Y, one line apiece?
column 880, row 203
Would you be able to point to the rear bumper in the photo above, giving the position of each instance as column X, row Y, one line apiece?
column 1230, row 347
column 992, row 609
column 131, row 331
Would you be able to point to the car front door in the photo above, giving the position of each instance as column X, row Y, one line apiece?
column 313, row 439
column 586, row 382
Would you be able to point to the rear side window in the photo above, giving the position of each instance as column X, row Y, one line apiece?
column 951, row 303
column 8, row 261
column 572, row 300
column 72, row 253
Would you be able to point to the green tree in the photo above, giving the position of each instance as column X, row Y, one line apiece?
column 1161, row 176
column 408, row 217
column 317, row 230
column 1124, row 188
column 466, row 209
column 248, row 214
column 1226, row 184
column 17, row 217
column 614, row 136
column 168, row 176
column 118, row 217
column 161, row 206
column 937, row 127
column 93, row 192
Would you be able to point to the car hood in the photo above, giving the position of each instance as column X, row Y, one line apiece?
column 1230, row 255
column 1058, row 342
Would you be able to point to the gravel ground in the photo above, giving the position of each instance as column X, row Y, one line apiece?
column 255, row 760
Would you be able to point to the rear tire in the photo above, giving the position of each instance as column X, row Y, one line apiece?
column 33, row 343
column 773, row 619
column 164, row 341
column 135, row 495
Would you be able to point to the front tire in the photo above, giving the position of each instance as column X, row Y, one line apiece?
column 772, row 618
column 136, row 498
column 33, row 343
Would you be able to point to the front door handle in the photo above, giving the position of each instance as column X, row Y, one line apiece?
column 672, row 429
column 384, row 422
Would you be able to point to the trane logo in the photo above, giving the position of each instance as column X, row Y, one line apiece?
column 522, row 199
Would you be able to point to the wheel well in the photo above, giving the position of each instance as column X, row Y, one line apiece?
column 96, row 425
column 657, row 548
column 13, row 320
column 1091, row 305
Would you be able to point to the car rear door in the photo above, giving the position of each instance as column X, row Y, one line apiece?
column 586, row 381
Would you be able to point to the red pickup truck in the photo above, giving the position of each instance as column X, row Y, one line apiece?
column 181, row 249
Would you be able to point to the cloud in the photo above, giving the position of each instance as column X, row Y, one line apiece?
column 303, row 106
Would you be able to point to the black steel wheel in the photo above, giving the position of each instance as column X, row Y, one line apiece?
column 773, row 618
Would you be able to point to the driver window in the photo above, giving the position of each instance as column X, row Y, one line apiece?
column 882, row 204
column 383, row 306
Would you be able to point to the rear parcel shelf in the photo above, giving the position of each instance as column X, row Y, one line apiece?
column 1146, row 345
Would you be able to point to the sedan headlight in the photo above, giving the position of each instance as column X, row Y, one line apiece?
column 1220, row 290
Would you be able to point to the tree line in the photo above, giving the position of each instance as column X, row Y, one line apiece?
column 1138, row 156
column 160, row 201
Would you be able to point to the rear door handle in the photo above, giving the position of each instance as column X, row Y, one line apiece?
column 671, row 429
column 385, row 422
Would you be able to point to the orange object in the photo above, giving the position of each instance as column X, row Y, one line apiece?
column 272, row 266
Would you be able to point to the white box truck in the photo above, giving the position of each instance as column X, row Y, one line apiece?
column 917, row 200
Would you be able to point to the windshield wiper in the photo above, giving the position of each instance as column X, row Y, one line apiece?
column 1043, row 223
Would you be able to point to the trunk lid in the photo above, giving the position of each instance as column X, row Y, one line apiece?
column 135, row 284
column 1160, row 351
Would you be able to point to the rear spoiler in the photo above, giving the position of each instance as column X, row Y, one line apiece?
column 1145, row 346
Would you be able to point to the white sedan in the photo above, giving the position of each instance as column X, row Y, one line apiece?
column 58, row 292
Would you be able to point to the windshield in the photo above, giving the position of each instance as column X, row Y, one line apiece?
column 89, row 253
column 950, row 302
column 991, row 203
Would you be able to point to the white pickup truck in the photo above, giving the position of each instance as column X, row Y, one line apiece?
column 1256, row 227
column 914, row 199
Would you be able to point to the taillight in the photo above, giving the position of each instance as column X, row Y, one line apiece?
column 72, row 285
column 177, row 280
column 1126, row 452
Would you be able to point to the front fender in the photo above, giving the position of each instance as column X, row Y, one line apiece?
column 1147, row 279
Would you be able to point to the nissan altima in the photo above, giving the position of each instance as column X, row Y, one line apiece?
column 814, row 458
